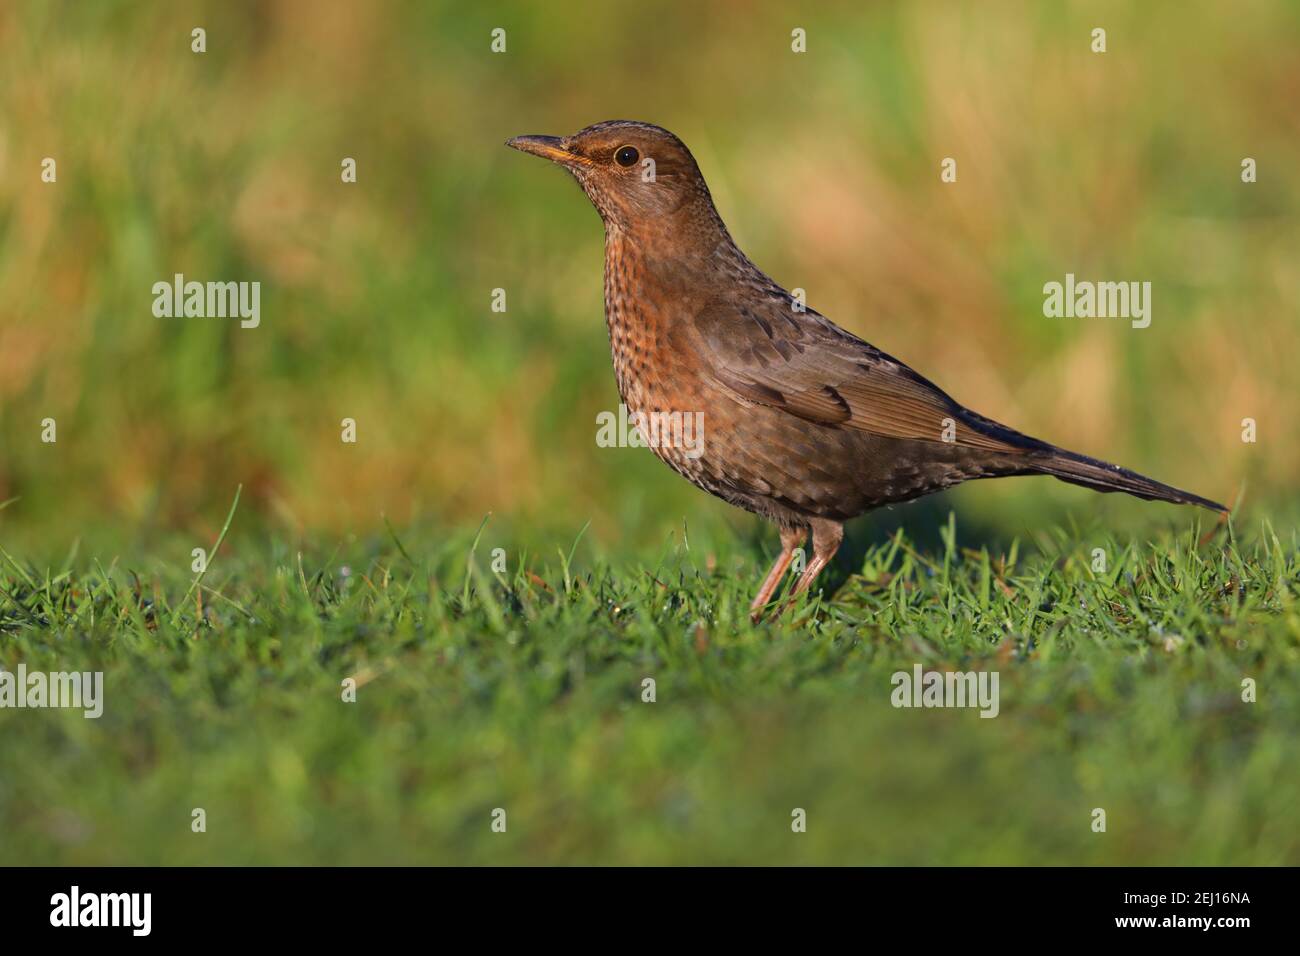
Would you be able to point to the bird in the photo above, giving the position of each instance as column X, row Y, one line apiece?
column 803, row 423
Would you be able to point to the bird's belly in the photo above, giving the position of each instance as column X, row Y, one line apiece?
column 756, row 457
column 673, row 421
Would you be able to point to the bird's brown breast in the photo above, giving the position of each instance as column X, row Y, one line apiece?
column 758, row 458
column 643, row 311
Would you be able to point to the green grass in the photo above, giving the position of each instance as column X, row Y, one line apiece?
column 522, row 690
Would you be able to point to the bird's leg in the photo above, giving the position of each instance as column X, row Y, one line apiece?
column 791, row 538
column 826, row 535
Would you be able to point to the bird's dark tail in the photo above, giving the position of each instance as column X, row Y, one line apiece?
column 1105, row 477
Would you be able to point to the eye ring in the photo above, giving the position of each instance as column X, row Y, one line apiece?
column 626, row 156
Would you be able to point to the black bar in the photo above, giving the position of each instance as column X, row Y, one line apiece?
column 333, row 906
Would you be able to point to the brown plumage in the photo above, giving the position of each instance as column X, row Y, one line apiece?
column 803, row 423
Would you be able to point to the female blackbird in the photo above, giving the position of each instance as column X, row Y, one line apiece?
column 803, row 423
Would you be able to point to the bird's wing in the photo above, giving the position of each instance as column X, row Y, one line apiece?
column 765, row 352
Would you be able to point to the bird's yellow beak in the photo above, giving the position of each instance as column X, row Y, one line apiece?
column 547, row 147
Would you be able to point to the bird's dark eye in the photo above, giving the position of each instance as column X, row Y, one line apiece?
column 626, row 155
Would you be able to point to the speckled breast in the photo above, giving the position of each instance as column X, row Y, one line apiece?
column 656, row 382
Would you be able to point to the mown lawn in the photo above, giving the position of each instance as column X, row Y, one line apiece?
column 523, row 690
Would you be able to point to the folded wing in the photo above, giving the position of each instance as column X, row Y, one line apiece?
column 801, row 363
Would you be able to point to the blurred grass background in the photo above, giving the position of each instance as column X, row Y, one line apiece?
column 376, row 296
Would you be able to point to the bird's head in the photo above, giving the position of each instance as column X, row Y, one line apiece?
column 633, row 173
